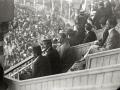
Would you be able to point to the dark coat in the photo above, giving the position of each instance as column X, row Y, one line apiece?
column 73, row 41
column 81, row 22
column 42, row 67
column 108, row 9
column 54, row 58
column 63, row 49
column 105, row 35
column 91, row 36
column 80, row 35
column 99, row 14
column 2, row 84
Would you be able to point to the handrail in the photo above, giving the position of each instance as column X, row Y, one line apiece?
column 82, row 45
column 104, row 53
column 22, row 69
column 18, row 65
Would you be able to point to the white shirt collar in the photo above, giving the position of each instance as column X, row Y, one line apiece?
column 110, row 30
column 87, row 31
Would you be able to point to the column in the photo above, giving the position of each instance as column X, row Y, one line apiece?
column 69, row 9
column 24, row 2
column 61, row 8
column 52, row 6
column 43, row 3
column 34, row 3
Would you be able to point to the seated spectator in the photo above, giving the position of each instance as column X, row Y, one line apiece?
column 104, row 30
column 112, row 42
column 53, row 56
column 63, row 49
column 71, row 37
column 41, row 66
column 90, row 35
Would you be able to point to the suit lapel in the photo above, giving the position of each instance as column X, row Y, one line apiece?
column 108, row 38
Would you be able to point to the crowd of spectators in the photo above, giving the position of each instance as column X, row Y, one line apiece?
column 28, row 28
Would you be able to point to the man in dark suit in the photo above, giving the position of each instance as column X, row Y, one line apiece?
column 71, row 37
column 90, row 35
column 80, row 24
column 63, row 49
column 108, row 8
column 81, row 20
column 99, row 14
column 42, row 65
column 53, row 56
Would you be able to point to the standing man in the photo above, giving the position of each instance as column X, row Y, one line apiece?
column 99, row 14
column 53, row 56
column 80, row 24
column 63, row 50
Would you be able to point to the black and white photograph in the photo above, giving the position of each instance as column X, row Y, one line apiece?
column 59, row 44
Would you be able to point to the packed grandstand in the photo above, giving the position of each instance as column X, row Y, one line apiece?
column 30, row 26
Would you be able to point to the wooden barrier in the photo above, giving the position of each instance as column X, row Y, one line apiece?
column 10, row 70
column 75, row 53
column 13, row 84
column 104, row 58
column 109, row 75
column 95, row 87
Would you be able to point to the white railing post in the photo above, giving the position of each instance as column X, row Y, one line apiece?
column 18, row 76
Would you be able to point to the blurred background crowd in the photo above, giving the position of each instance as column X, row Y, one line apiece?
column 31, row 25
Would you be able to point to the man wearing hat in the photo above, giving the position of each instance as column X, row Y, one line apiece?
column 80, row 24
column 71, row 37
column 63, row 50
column 81, row 20
column 53, row 56
column 41, row 66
